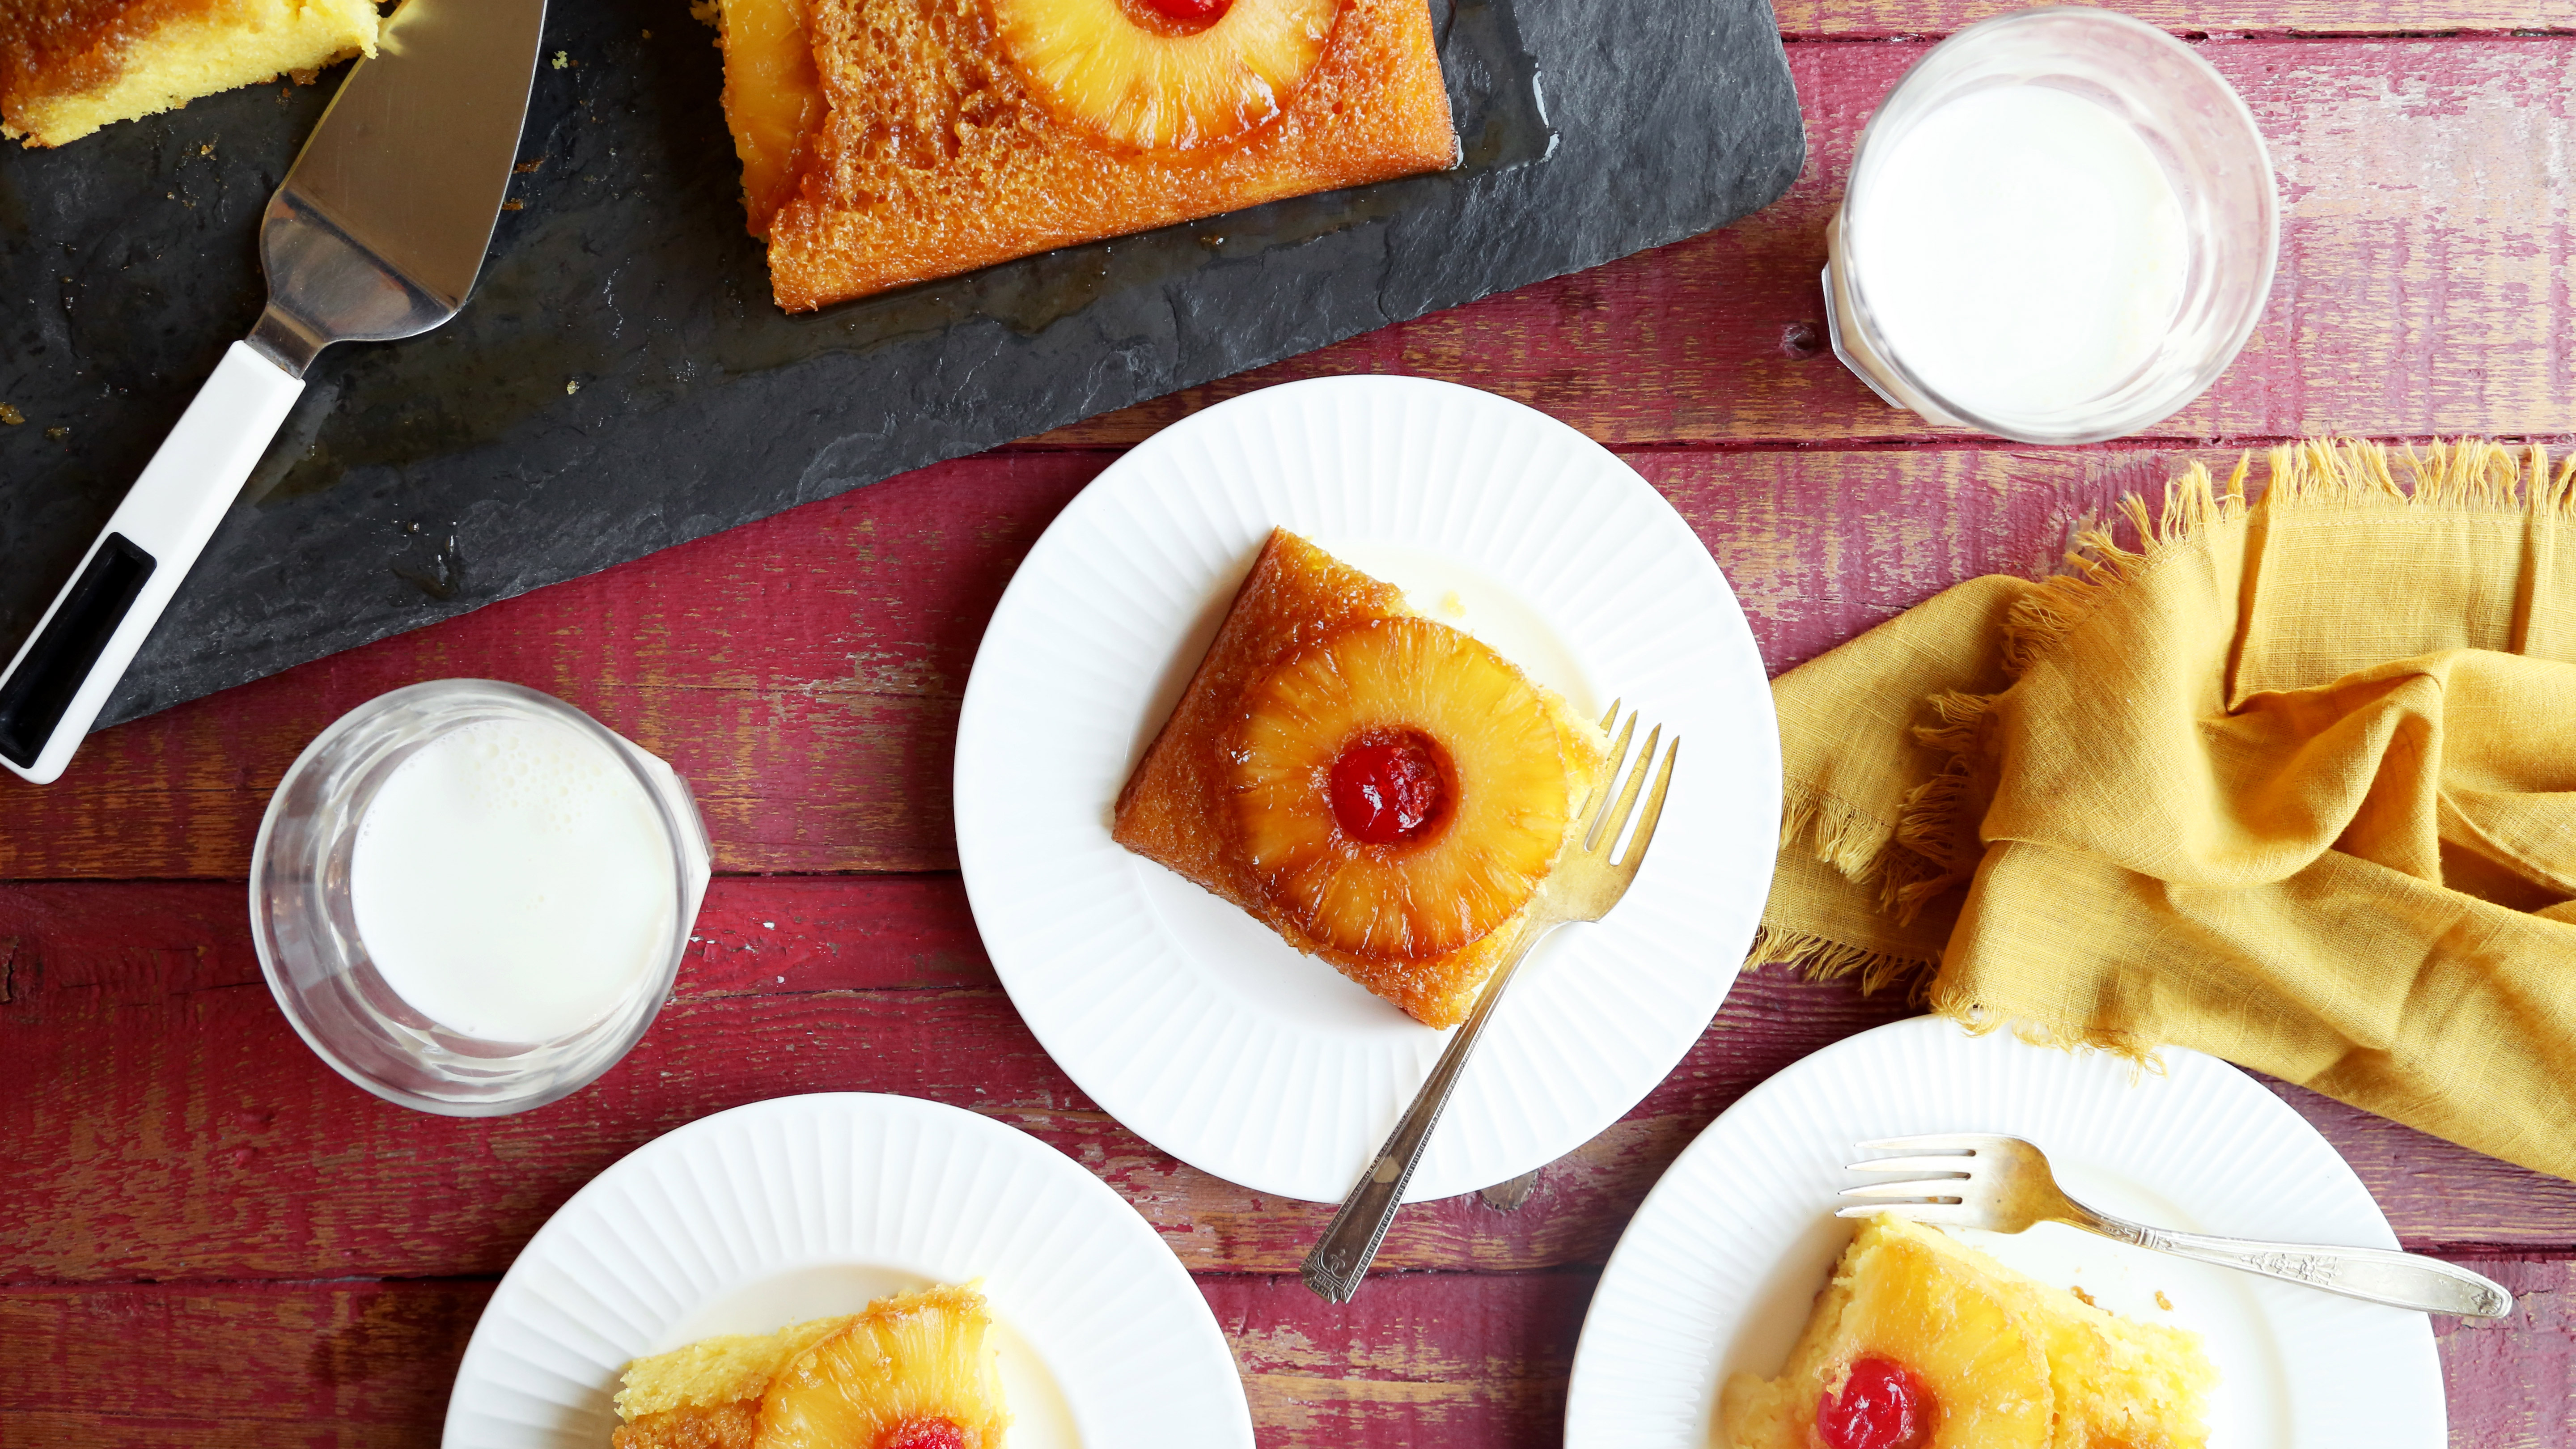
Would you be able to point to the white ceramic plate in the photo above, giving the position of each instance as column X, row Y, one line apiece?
column 1189, row 1021
column 806, row 1206
column 1718, row 1270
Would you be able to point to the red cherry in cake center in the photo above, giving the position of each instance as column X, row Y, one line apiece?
column 931, row 1433
column 1882, row 1406
column 1383, row 789
column 1189, row 11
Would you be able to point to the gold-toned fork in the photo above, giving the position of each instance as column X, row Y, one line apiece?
column 1583, row 884
column 2003, row 1185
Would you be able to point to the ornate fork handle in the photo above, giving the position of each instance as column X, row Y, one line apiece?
column 1340, row 1259
column 2377, row 1275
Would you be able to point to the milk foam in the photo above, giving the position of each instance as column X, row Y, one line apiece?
column 511, row 881
column 2022, row 250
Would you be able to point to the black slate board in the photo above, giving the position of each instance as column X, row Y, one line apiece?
column 420, row 479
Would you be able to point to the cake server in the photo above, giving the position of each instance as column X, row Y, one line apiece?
column 376, row 233
column 2003, row 1185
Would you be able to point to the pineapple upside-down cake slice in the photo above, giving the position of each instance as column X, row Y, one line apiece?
column 1921, row 1342
column 908, row 1372
column 1384, row 791
column 892, row 141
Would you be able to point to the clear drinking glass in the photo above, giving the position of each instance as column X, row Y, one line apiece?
column 306, row 928
column 2190, row 119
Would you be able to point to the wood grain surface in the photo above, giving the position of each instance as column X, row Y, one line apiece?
column 207, row 1238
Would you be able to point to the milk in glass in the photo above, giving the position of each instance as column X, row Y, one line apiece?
column 511, row 882
column 2025, row 251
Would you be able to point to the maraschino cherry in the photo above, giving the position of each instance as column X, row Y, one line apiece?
column 1882, row 1406
column 1383, row 790
column 1190, row 11
column 931, row 1433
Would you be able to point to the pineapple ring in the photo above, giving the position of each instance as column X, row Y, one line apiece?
column 913, row 1370
column 1093, row 64
column 1482, row 855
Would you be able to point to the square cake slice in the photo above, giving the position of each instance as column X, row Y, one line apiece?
column 1923, row 1341
column 886, row 142
column 1382, row 790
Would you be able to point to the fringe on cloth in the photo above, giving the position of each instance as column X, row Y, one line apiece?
column 1953, row 1003
column 1818, row 959
column 1916, row 858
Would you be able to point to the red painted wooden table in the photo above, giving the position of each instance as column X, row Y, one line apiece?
column 206, row 1238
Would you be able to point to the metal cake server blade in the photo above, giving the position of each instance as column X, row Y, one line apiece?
column 376, row 233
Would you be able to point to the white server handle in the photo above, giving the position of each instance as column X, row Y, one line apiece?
column 60, row 679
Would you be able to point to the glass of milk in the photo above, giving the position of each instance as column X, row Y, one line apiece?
column 471, row 898
column 2060, row 228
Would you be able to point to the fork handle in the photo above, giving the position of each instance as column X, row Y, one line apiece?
column 2376, row 1275
column 1340, row 1258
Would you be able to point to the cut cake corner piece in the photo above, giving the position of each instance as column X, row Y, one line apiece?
column 69, row 68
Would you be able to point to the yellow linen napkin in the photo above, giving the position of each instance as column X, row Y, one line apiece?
column 2292, row 783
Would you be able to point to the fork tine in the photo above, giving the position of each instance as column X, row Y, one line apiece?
column 1618, row 759
column 1927, row 1212
column 1935, row 1188
column 1645, row 833
column 1605, row 831
column 1933, row 1142
column 1964, row 1166
column 1592, row 796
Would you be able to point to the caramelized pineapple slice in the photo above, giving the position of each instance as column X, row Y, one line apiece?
column 1154, row 77
column 1399, row 789
column 1986, row 1369
column 911, row 1372
column 773, row 99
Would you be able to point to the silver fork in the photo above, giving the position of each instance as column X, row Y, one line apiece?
column 2003, row 1185
column 1582, row 885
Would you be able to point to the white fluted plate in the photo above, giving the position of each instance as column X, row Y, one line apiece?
column 1718, row 1270
column 1188, row 1020
column 802, row 1207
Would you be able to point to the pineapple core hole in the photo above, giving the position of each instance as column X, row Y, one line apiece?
column 1390, row 786
column 1175, row 17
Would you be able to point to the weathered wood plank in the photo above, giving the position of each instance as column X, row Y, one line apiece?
column 1855, row 19
column 2424, row 244
column 804, row 672
column 254, row 1365
column 2512, row 1382
column 1419, row 1358
column 170, row 1124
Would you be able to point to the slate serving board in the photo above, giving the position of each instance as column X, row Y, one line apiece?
column 620, row 381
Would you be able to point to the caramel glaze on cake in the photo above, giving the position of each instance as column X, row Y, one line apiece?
column 68, row 67
column 919, row 151
column 1176, row 810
